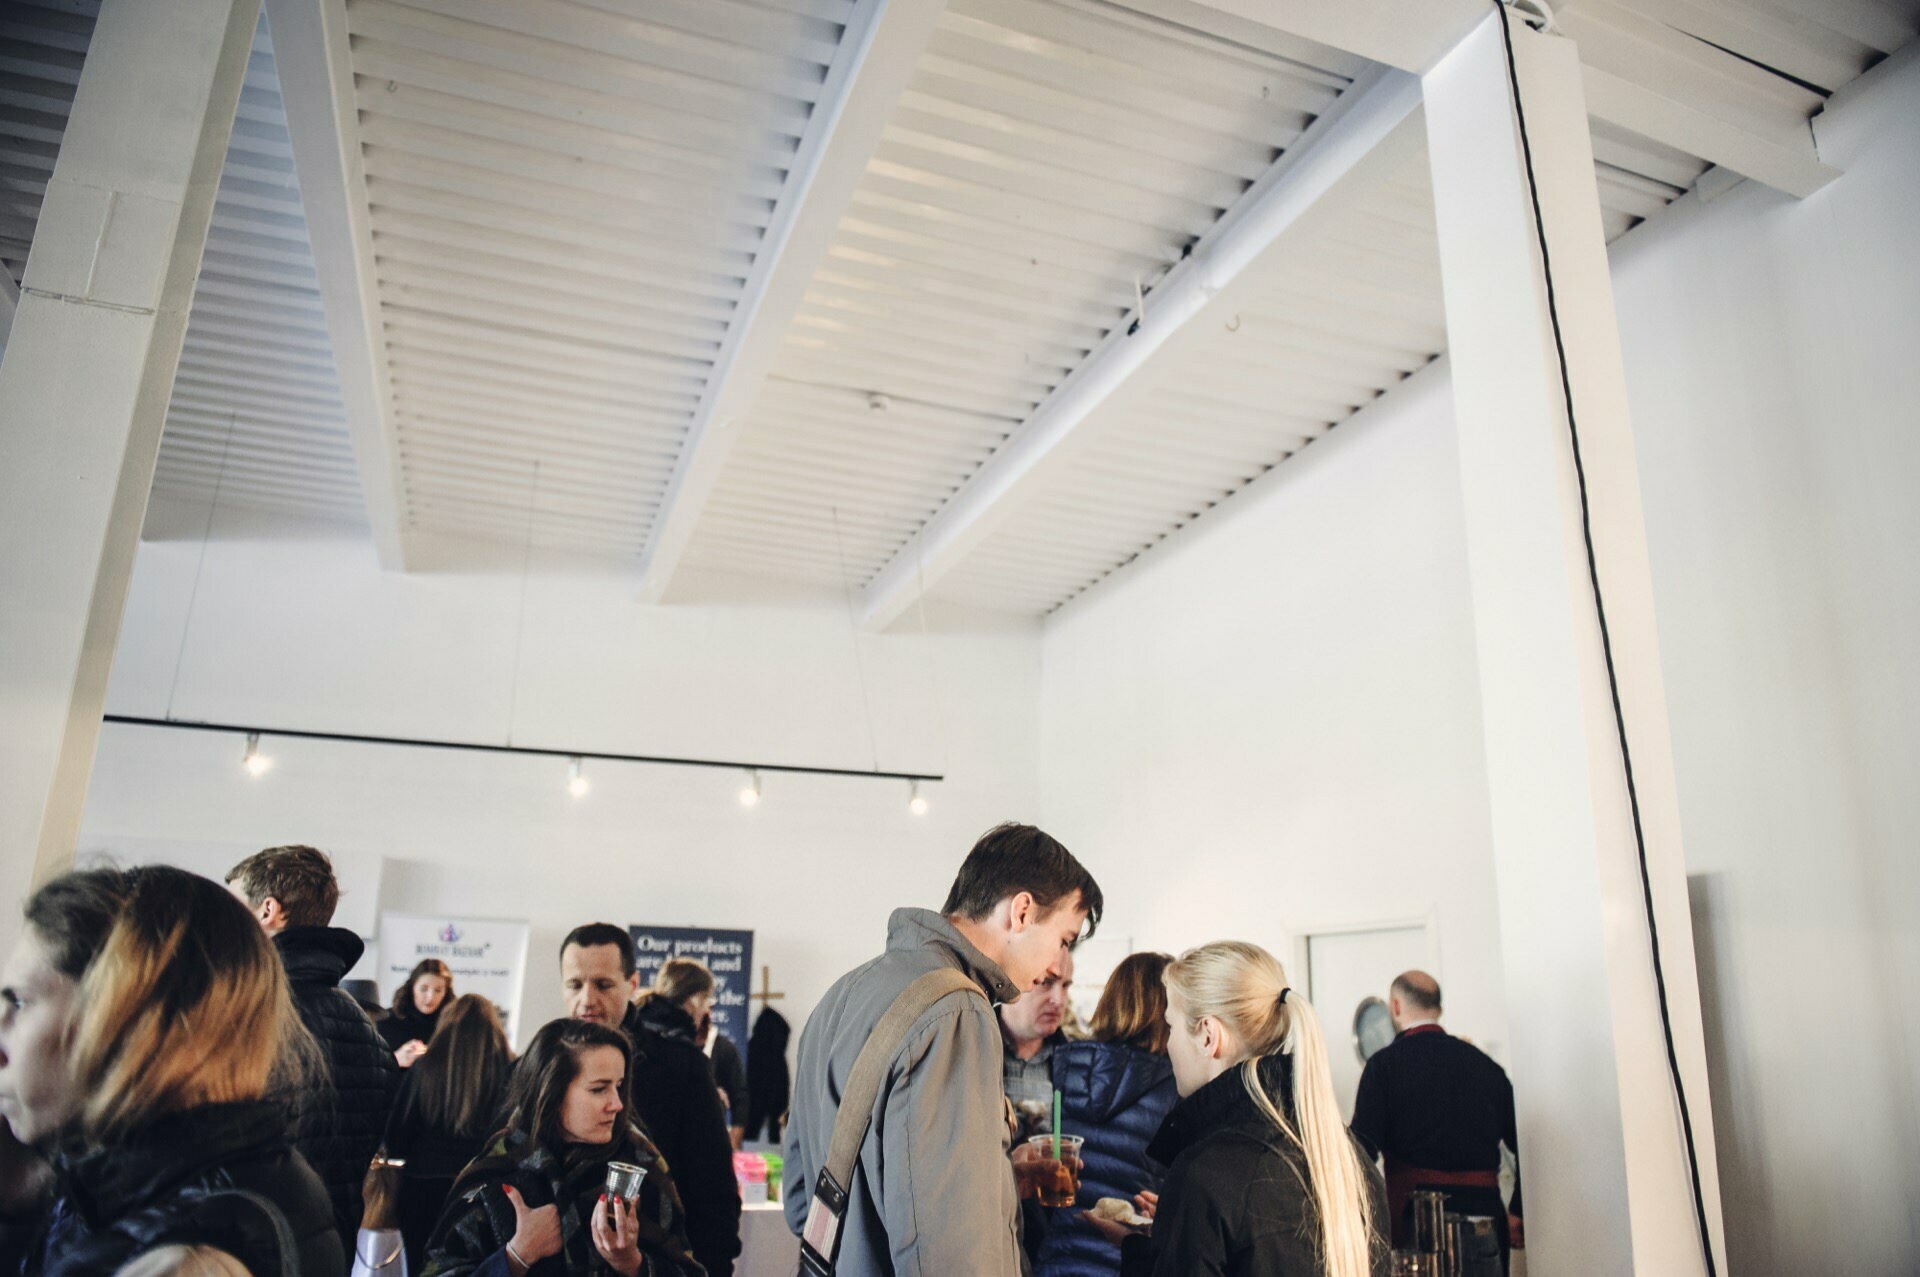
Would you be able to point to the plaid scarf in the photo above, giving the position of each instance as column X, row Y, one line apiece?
column 479, row 1219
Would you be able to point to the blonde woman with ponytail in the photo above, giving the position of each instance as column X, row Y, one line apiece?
column 1263, row 1177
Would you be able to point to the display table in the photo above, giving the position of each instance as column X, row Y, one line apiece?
column 767, row 1249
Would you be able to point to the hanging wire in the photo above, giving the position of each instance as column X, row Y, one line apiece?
column 520, row 621
column 206, row 534
column 853, row 635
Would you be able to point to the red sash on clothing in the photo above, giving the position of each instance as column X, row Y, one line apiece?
column 1403, row 1181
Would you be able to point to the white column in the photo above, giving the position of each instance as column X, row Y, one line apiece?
column 1602, row 1152
column 84, row 386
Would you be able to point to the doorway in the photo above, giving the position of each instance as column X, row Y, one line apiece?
column 1346, row 965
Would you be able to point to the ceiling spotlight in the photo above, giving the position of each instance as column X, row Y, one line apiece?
column 915, row 803
column 750, row 792
column 576, row 783
column 256, row 763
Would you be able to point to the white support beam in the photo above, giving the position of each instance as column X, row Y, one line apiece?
column 1414, row 34
column 311, row 51
column 1791, row 166
column 1371, row 132
column 1608, row 1185
column 872, row 67
column 84, row 388
column 9, row 302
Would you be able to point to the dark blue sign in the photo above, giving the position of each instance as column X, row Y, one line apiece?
column 728, row 954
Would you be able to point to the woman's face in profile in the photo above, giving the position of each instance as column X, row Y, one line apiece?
column 592, row 1105
column 38, row 1093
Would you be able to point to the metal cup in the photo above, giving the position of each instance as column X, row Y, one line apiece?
column 624, row 1180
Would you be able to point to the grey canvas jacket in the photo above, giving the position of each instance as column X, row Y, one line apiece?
column 932, row 1194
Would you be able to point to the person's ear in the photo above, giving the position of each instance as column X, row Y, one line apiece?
column 1210, row 1037
column 270, row 912
column 1021, row 910
column 633, row 983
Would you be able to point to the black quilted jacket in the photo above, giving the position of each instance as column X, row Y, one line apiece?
column 338, row 1126
column 222, row 1175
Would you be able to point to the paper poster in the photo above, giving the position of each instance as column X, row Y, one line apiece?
column 728, row 954
column 488, row 956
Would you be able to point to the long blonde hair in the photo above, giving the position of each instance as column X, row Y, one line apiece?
column 182, row 1000
column 1241, row 985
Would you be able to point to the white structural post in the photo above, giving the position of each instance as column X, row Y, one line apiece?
column 1603, row 1151
column 84, row 387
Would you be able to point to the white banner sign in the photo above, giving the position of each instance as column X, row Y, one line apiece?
column 488, row 957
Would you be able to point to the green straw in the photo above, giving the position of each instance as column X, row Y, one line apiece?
column 1056, row 1123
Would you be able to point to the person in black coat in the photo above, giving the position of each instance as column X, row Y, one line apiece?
column 338, row 1121
column 769, row 1080
column 417, row 1004
column 673, row 1089
column 1263, row 1177
column 138, row 996
column 450, row 1102
column 680, row 1005
column 1437, row 1109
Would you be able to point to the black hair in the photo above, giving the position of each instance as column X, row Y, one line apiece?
column 1010, row 859
column 540, row 1080
column 594, row 934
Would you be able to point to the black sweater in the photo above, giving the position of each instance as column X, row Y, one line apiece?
column 1235, row 1202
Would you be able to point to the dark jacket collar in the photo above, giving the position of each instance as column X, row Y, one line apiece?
column 1431, row 1026
column 107, row 1183
column 643, row 1036
column 666, row 1018
column 320, row 955
column 1224, row 1104
column 923, row 928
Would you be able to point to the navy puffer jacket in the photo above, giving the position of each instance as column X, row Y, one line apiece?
column 1116, row 1097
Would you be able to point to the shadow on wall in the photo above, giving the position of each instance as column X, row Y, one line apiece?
column 1737, row 1125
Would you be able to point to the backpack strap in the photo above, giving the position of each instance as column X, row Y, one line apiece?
column 862, row 1091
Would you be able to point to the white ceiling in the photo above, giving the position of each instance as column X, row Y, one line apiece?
column 570, row 214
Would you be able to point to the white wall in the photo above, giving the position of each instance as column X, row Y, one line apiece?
column 292, row 625
column 1271, row 720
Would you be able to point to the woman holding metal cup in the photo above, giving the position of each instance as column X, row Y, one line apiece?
column 570, row 1185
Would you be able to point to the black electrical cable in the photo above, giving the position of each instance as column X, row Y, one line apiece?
column 1606, row 647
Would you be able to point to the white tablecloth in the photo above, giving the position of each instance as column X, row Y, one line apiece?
column 767, row 1249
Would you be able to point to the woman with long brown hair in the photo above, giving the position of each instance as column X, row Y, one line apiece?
column 417, row 1007
column 1115, row 1090
column 448, row 1104
column 144, row 1020
column 534, row 1201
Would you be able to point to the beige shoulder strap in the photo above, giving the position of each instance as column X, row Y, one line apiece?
column 870, row 1068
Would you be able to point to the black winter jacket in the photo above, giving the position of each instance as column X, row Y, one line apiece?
column 222, row 1175
column 338, row 1125
column 1235, row 1202
column 769, row 1081
column 674, row 1093
column 399, row 1029
column 729, row 1074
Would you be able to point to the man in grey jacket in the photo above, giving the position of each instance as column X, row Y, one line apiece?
column 933, row 1192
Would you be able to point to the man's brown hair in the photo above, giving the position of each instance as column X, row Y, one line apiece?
column 300, row 878
column 1010, row 859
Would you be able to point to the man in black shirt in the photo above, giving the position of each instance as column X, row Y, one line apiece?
column 1438, row 1109
column 673, row 1090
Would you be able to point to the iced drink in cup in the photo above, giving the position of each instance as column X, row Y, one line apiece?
column 624, row 1180
column 1058, row 1174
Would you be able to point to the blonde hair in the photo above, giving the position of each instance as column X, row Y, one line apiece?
column 182, row 1000
column 1241, row 985
column 183, row 1261
column 679, row 979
